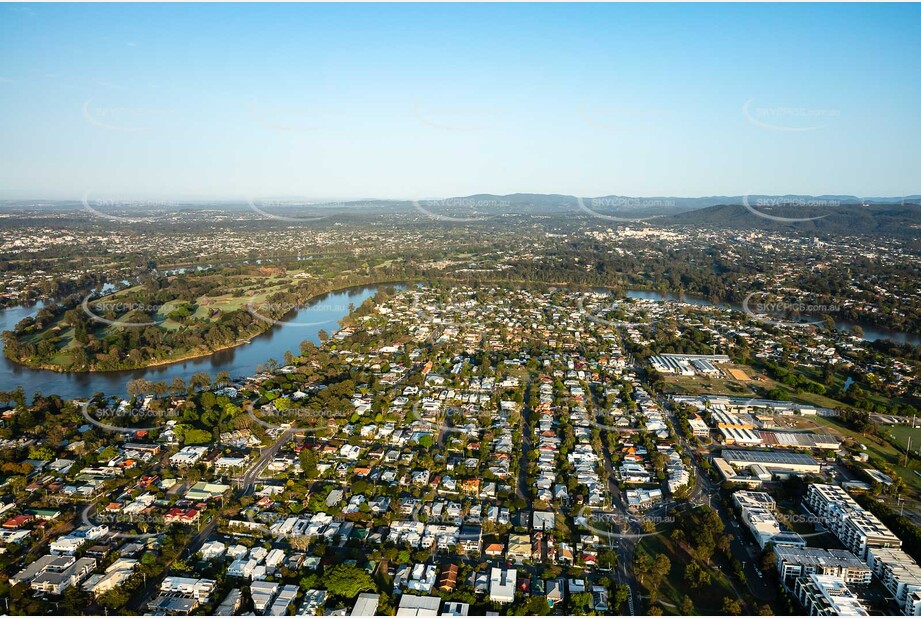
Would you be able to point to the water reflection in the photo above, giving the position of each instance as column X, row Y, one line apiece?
column 324, row 313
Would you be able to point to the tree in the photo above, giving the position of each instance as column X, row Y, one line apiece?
column 621, row 594
column 115, row 599
column 108, row 453
column 199, row 381
column 695, row 577
column 197, row 436
column 642, row 566
column 732, row 607
column 308, row 459
column 687, row 606
column 178, row 386
column 347, row 581
column 160, row 388
column 581, row 601
column 660, row 568
column 607, row 558
column 769, row 560
column 533, row 606
column 41, row 452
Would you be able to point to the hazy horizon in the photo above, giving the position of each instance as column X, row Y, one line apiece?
column 168, row 201
column 226, row 102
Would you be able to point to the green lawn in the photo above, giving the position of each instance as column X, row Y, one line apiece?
column 707, row 600
column 838, row 382
column 900, row 434
column 878, row 447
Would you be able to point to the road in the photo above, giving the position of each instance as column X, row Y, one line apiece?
column 524, row 487
column 907, row 507
column 624, row 546
column 142, row 596
column 245, row 485
column 707, row 491
column 248, row 479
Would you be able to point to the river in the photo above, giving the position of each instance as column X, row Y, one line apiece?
column 323, row 313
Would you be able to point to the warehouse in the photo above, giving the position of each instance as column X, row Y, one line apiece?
column 745, row 437
column 796, row 463
column 800, row 440
column 731, row 476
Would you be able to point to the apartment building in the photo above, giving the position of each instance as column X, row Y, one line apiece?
column 796, row 562
column 698, row 427
column 859, row 530
column 900, row 574
column 823, row 499
column 757, row 511
column 862, row 531
column 826, row 595
column 913, row 604
column 57, row 574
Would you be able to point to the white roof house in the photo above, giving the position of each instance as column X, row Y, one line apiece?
column 502, row 584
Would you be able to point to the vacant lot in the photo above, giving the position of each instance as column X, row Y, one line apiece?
column 698, row 385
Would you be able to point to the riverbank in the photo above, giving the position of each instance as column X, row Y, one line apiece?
column 238, row 361
column 203, row 353
column 192, row 355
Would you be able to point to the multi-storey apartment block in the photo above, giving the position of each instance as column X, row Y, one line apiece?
column 796, row 562
column 857, row 529
column 826, row 595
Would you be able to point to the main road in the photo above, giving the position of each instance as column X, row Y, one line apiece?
column 707, row 491
column 625, row 541
column 245, row 484
column 248, row 479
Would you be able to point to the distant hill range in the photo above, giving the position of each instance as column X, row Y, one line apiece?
column 825, row 214
column 822, row 213
column 819, row 213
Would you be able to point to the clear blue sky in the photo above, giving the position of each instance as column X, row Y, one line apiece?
column 410, row 101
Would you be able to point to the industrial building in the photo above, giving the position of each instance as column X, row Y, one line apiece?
column 747, row 405
column 780, row 439
column 775, row 462
column 730, row 475
column 688, row 364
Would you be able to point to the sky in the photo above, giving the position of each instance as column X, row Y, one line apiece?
column 420, row 101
